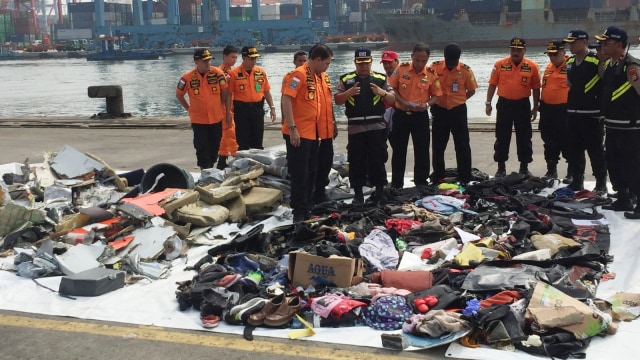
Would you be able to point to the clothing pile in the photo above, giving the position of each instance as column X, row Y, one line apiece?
column 509, row 263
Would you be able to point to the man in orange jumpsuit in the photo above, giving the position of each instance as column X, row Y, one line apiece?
column 206, row 88
column 304, row 104
column 249, row 87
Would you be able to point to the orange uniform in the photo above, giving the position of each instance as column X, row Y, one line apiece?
column 204, row 91
column 285, row 82
column 310, row 94
column 515, row 82
column 454, row 84
column 415, row 87
column 554, row 84
column 228, row 144
column 248, row 87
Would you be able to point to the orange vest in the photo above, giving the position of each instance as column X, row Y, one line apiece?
column 554, row 84
column 415, row 87
column 307, row 91
column 515, row 82
column 205, row 104
column 454, row 83
column 248, row 86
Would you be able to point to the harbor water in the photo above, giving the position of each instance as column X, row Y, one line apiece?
column 58, row 87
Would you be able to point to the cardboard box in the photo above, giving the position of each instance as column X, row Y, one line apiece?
column 550, row 307
column 306, row 269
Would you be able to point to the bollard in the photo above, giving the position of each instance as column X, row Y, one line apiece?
column 113, row 94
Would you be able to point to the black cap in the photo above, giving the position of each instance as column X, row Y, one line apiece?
column 576, row 35
column 613, row 33
column 363, row 55
column 595, row 45
column 202, row 54
column 554, row 46
column 517, row 43
column 452, row 54
column 250, row 51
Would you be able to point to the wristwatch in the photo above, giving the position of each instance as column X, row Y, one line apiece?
column 291, row 127
column 487, row 102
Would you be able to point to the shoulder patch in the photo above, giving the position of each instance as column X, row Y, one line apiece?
column 294, row 82
column 633, row 74
column 181, row 84
column 431, row 70
column 466, row 66
column 437, row 62
column 405, row 64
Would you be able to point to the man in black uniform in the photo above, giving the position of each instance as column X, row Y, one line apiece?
column 621, row 110
column 584, row 126
column 364, row 93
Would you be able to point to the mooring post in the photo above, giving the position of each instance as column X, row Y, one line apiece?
column 113, row 96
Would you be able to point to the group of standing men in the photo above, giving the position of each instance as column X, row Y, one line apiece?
column 573, row 95
column 580, row 98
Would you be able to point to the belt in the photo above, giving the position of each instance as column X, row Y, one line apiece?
column 258, row 104
column 583, row 111
column 414, row 112
column 365, row 120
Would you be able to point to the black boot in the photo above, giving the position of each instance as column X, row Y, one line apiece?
column 552, row 171
column 502, row 170
column 634, row 215
column 378, row 194
column 358, row 199
column 601, row 186
column 524, row 169
column 623, row 203
column 222, row 163
column 577, row 184
column 568, row 179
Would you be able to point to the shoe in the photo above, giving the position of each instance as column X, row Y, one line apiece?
column 524, row 170
column 257, row 318
column 633, row 215
column 254, row 276
column 240, row 263
column 228, row 280
column 285, row 312
column 502, row 170
column 551, row 174
column 222, row 163
column 621, row 204
column 247, row 308
column 210, row 321
column 358, row 199
column 568, row 179
column 601, row 187
column 577, row 184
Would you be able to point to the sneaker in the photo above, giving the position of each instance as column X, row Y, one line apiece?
column 254, row 276
column 210, row 321
column 241, row 264
column 228, row 280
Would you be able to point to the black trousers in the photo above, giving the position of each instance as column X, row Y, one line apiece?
column 586, row 132
column 249, row 119
column 623, row 159
column 325, row 162
column 367, row 154
column 553, row 131
column 302, row 163
column 206, row 141
column 416, row 125
column 513, row 114
column 454, row 122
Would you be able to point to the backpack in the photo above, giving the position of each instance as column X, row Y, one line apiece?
column 387, row 313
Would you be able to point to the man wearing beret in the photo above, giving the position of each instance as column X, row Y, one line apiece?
column 515, row 78
column 206, row 88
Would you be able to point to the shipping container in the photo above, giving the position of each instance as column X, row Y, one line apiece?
column 390, row 4
column 80, row 7
column 514, row 5
column 354, row 5
column 294, row 10
column 617, row 4
column 569, row 4
column 241, row 11
column 485, row 6
column 319, row 9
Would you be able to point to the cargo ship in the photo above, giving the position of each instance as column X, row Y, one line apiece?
column 491, row 23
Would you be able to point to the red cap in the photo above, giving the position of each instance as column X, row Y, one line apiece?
column 389, row 56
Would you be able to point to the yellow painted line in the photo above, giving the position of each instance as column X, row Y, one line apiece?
column 155, row 333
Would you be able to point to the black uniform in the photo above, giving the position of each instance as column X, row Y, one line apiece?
column 367, row 147
column 621, row 110
column 586, row 131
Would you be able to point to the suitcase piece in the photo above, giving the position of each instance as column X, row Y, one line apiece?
column 93, row 282
column 201, row 214
column 260, row 199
